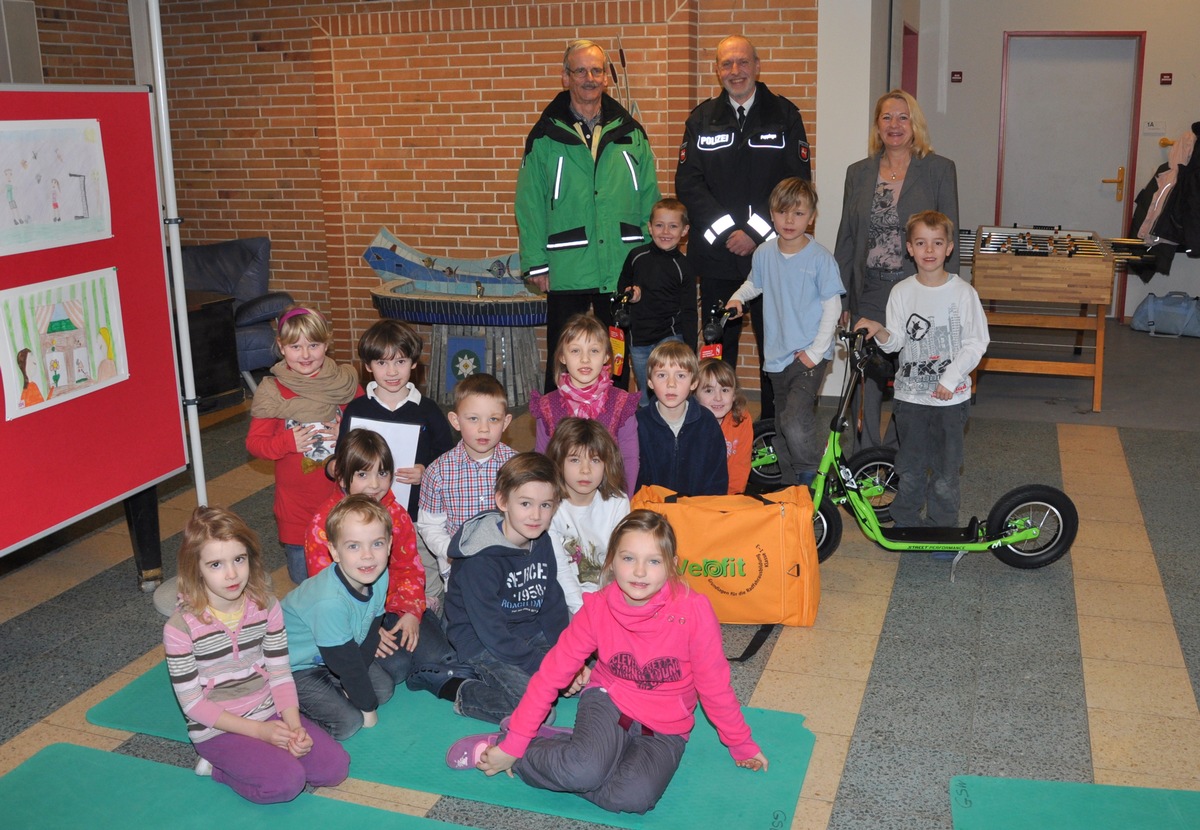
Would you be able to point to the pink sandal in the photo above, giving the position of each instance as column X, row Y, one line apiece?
column 466, row 751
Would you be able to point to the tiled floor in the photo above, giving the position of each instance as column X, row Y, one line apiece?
column 1086, row 670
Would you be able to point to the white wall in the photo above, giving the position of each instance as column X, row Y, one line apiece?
column 964, row 119
column 850, row 75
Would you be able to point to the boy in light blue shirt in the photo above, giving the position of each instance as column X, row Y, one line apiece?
column 801, row 288
column 333, row 622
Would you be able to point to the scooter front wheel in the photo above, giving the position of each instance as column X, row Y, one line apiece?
column 1046, row 508
column 827, row 529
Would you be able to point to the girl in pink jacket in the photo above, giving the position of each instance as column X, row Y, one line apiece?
column 659, row 652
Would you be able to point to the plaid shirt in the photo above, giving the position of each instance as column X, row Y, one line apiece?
column 458, row 486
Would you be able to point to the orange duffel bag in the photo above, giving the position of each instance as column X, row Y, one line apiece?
column 754, row 557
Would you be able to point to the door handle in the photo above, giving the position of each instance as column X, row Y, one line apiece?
column 1119, row 181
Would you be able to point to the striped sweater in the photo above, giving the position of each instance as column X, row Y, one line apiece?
column 214, row 670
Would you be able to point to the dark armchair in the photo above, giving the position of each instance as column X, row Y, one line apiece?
column 241, row 268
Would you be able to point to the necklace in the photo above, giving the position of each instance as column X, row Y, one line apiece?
column 892, row 171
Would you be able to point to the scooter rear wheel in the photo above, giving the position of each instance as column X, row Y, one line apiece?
column 1048, row 509
column 827, row 529
column 879, row 465
column 766, row 476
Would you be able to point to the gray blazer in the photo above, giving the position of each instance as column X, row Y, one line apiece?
column 930, row 184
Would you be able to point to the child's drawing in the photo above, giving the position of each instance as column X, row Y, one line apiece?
column 60, row 339
column 54, row 183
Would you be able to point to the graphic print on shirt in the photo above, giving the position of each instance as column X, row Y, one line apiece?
column 931, row 347
column 525, row 588
column 656, row 672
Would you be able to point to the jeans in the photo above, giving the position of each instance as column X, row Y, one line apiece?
column 435, row 589
column 499, row 688
column 432, row 647
column 796, row 441
column 323, row 701
column 265, row 774
column 639, row 356
column 873, row 305
column 297, row 571
column 622, row 770
column 929, row 463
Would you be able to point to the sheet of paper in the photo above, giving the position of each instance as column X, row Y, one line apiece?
column 402, row 441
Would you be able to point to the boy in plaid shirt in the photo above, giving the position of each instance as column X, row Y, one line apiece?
column 462, row 482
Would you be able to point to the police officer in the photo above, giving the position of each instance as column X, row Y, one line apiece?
column 736, row 148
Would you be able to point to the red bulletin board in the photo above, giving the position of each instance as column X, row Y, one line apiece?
column 65, row 461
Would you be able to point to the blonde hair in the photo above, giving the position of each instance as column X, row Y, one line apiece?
column 297, row 322
column 790, row 193
column 656, row 524
column 673, row 352
column 717, row 371
column 932, row 220
column 920, row 143
column 217, row 524
column 361, row 507
column 573, row 434
column 582, row 325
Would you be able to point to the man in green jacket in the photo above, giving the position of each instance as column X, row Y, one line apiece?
column 584, row 194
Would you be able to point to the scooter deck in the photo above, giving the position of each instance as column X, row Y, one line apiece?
column 934, row 535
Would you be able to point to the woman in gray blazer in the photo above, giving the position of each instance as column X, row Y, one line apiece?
column 901, row 176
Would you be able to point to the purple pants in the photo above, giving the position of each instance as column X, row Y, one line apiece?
column 266, row 774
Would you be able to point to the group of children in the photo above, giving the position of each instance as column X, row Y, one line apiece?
column 525, row 576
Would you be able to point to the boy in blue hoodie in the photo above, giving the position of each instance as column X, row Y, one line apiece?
column 504, row 606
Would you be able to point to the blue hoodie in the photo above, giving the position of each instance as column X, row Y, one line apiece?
column 501, row 595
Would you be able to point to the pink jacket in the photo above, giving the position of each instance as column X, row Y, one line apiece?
column 655, row 661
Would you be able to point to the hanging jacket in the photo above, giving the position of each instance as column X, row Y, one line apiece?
column 579, row 217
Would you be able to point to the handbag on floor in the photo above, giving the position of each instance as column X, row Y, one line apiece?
column 754, row 557
column 1170, row 316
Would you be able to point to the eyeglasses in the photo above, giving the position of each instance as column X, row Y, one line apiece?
column 582, row 72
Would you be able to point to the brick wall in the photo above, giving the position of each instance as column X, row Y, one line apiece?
column 85, row 41
column 318, row 122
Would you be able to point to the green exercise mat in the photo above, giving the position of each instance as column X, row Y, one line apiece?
column 408, row 749
column 979, row 803
column 74, row 786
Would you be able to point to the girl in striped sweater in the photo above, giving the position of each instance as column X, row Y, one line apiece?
column 228, row 661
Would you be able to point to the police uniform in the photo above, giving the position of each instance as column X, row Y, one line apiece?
column 725, row 178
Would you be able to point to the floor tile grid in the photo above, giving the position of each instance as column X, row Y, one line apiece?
column 1142, row 712
column 821, row 672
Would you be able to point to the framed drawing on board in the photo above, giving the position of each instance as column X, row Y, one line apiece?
column 60, row 339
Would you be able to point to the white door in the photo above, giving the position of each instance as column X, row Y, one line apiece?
column 1069, row 120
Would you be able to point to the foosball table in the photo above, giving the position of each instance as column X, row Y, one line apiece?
column 1044, row 267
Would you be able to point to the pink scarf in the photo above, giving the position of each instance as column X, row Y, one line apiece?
column 585, row 403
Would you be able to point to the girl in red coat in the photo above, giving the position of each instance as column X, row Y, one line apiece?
column 294, row 422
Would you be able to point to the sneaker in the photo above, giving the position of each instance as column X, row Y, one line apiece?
column 545, row 730
column 466, row 752
column 431, row 677
column 203, row 767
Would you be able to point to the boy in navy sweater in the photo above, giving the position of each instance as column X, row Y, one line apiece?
column 680, row 442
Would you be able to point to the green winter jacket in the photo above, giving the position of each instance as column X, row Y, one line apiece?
column 578, row 219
